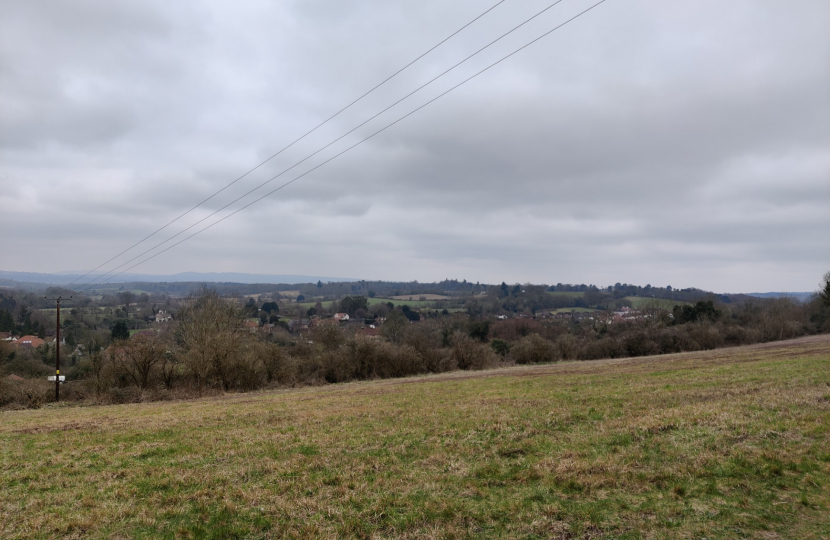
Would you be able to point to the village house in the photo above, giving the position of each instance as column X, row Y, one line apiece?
column 28, row 342
column 266, row 328
column 370, row 332
column 317, row 322
column 341, row 317
column 163, row 317
column 298, row 325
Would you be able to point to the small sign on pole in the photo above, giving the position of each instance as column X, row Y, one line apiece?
column 59, row 378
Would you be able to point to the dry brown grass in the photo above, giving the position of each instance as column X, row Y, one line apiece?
column 732, row 443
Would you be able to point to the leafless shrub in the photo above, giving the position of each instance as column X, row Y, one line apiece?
column 398, row 361
column 138, row 359
column 568, row 347
column 277, row 364
column 426, row 338
column 606, row 347
column 534, row 349
column 468, row 353
column 640, row 343
column 26, row 393
column 329, row 337
column 706, row 334
column 211, row 334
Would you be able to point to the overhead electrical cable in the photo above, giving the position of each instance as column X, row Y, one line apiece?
column 306, row 134
column 491, row 43
column 363, row 140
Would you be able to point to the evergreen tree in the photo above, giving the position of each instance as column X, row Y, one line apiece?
column 824, row 294
column 120, row 331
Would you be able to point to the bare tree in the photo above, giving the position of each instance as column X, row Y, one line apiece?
column 127, row 298
column 394, row 328
column 138, row 358
column 211, row 333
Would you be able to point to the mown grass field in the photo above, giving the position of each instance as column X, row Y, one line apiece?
column 575, row 310
column 732, row 443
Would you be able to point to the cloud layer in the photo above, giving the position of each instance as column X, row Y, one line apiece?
column 645, row 142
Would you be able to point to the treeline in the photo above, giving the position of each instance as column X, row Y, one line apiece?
column 209, row 349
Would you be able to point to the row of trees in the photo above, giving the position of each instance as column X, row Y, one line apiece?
column 209, row 349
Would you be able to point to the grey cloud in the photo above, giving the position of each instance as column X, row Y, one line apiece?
column 646, row 142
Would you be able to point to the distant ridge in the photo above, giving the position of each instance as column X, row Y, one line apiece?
column 800, row 296
column 63, row 278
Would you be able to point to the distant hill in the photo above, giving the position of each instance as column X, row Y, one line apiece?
column 63, row 278
column 800, row 296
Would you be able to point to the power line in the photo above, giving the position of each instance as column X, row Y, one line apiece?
column 330, row 143
column 362, row 141
column 306, row 134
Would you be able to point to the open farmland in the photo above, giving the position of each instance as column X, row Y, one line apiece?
column 575, row 310
column 733, row 443
column 411, row 303
column 375, row 301
column 431, row 297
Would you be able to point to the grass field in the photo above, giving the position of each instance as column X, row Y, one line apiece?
column 570, row 294
column 425, row 296
column 411, row 303
column 376, row 301
column 574, row 310
column 732, row 443
column 664, row 303
column 325, row 304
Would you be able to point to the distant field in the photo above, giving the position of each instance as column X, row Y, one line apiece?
column 325, row 304
column 574, row 310
column 572, row 294
column 410, row 303
column 376, row 301
column 732, row 443
column 420, row 296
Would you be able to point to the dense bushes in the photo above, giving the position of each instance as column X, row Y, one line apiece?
column 534, row 349
column 208, row 349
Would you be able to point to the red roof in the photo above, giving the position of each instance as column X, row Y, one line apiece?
column 368, row 332
column 29, row 341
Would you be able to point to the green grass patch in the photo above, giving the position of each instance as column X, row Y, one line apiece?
column 410, row 303
column 575, row 310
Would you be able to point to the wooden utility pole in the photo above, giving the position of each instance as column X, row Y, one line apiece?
column 58, row 351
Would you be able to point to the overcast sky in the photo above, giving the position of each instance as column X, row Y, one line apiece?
column 668, row 143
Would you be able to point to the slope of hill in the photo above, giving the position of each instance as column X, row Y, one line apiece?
column 801, row 296
column 726, row 443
